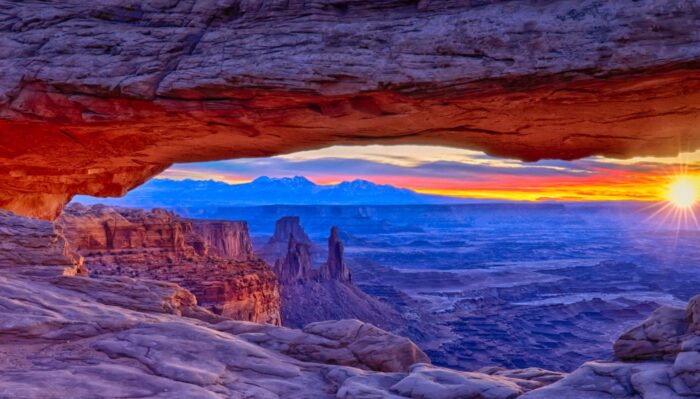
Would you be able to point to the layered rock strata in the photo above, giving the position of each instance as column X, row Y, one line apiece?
column 217, row 266
column 97, row 98
column 225, row 238
column 286, row 228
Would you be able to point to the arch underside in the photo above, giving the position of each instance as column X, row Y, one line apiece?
column 98, row 101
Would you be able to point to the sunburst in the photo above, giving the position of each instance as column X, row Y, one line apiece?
column 683, row 192
column 681, row 202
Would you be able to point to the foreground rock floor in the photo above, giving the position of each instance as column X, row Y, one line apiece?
column 113, row 337
column 78, row 337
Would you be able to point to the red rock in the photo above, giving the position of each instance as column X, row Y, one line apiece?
column 224, row 238
column 218, row 266
column 97, row 98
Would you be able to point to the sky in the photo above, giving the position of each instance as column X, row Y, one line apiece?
column 461, row 173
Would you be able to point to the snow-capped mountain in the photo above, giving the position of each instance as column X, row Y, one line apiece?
column 265, row 190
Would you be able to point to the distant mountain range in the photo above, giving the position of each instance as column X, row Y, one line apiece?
column 265, row 190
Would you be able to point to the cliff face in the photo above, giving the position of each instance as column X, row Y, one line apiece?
column 223, row 238
column 96, row 98
column 218, row 266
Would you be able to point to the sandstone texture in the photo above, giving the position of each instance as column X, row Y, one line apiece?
column 117, row 336
column 29, row 242
column 344, row 342
column 213, row 259
column 224, row 238
column 95, row 98
column 79, row 337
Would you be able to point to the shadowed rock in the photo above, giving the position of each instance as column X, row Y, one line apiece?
column 29, row 242
column 335, row 268
column 311, row 295
column 296, row 265
column 669, row 336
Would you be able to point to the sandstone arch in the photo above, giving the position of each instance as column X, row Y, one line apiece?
column 95, row 99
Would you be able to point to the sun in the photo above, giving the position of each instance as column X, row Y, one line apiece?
column 683, row 192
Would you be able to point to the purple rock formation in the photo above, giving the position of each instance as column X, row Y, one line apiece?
column 296, row 265
column 335, row 268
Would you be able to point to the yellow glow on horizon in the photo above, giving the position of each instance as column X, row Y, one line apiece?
column 484, row 177
column 683, row 192
column 556, row 194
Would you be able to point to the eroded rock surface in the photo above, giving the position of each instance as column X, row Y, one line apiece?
column 97, row 98
column 344, row 342
column 225, row 238
column 335, row 267
column 113, row 337
column 425, row 381
column 657, row 338
column 286, row 228
column 29, row 242
column 215, row 261
column 662, row 361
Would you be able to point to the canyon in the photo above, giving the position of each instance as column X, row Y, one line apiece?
column 215, row 260
column 97, row 98
column 66, row 335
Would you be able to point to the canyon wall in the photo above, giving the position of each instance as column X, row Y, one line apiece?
column 97, row 98
column 225, row 238
column 218, row 266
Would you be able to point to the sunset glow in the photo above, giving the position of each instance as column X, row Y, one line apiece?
column 471, row 174
column 683, row 192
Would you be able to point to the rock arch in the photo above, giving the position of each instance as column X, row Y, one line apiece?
column 96, row 99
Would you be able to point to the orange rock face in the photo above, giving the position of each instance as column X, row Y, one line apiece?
column 225, row 238
column 97, row 98
column 218, row 266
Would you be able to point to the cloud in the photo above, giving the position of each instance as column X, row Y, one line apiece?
column 459, row 172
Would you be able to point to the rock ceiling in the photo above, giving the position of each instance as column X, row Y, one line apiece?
column 97, row 98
